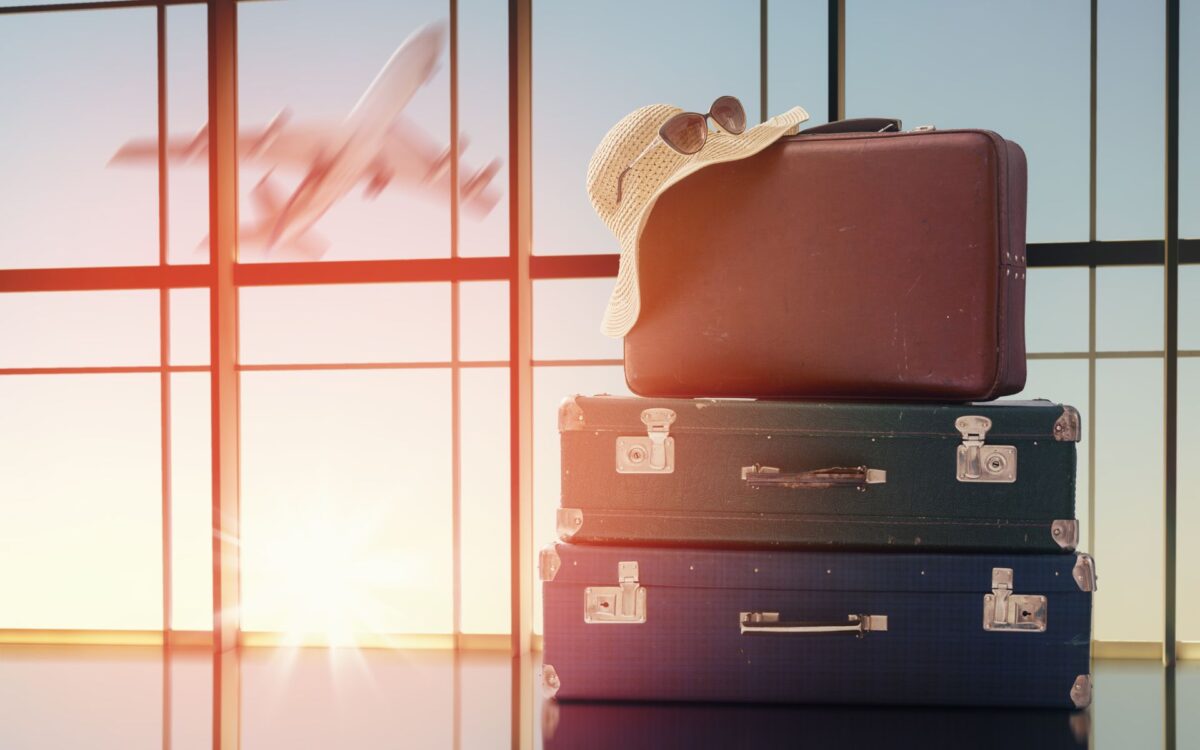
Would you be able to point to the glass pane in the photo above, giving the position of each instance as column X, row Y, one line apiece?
column 1189, row 307
column 487, row 694
column 550, row 386
column 653, row 59
column 1065, row 381
column 191, row 699
column 347, row 699
column 1189, row 119
column 483, row 122
column 485, row 501
column 78, row 87
column 483, row 320
column 346, row 502
column 1188, row 501
column 797, row 58
column 1129, row 309
column 79, row 329
column 1129, row 160
column 100, row 699
column 88, row 451
column 191, row 501
column 187, row 114
column 1127, row 705
column 189, row 327
column 1129, row 492
column 371, row 160
column 1030, row 68
column 1056, row 315
column 566, row 320
column 345, row 323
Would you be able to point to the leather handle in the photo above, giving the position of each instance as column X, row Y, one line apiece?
column 818, row 479
column 768, row 622
column 856, row 125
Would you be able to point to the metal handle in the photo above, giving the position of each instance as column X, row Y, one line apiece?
column 818, row 479
column 769, row 622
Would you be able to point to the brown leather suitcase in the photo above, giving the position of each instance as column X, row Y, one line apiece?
column 839, row 265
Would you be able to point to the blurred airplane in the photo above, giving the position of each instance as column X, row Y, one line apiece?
column 374, row 144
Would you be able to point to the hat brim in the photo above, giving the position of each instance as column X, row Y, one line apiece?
column 625, row 303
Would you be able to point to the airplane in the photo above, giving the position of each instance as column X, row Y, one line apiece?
column 374, row 145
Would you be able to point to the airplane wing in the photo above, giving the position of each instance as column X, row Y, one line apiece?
column 294, row 146
column 411, row 158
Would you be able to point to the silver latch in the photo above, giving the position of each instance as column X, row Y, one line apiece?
column 624, row 603
column 1004, row 610
column 652, row 454
column 978, row 462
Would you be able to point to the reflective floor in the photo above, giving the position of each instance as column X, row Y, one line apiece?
column 131, row 697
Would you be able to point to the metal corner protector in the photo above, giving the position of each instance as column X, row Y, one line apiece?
column 548, row 563
column 550, row 682
column 568, row 522
column 570, row 414
column 1067, row 428
column 1081, row 691
column 1084, row 572
column 1065, row 533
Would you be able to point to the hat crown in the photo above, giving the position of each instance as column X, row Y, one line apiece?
column 621, row 145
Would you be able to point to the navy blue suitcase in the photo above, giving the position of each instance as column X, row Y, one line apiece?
column 784, row 626
column 638, row 726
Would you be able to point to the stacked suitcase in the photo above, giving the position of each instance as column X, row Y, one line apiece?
column 876, row 538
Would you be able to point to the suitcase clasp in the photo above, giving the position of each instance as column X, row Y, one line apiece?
column 621, row 604
column 1004, row 610
column 978, row 462
column 652, row 454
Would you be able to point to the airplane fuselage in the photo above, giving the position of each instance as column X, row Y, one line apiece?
column 363, row 135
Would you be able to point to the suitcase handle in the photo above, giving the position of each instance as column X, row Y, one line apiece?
column 856, row 125
column 818, row 479
column 750, row 623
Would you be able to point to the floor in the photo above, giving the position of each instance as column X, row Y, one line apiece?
column 132, row 697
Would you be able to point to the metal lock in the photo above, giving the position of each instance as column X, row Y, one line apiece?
column 979, row 462
column 652, row 454
column 624, row 603
column 1004, row 610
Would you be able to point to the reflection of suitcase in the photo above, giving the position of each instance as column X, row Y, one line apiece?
column 855, row 265
column 997, row 477
column 671, row 624
column 640, row 726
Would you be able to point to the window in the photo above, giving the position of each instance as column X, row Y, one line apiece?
column 376, row 426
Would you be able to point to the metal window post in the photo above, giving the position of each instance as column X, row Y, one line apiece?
column 223, row 227
column 520, row 84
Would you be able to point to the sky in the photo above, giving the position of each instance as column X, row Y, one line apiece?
column 86, row 85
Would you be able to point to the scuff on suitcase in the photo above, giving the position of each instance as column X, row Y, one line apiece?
column 845, row 265
column 978, row 477
column 747, row 626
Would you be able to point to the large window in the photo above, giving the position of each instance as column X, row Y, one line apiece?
column 375, row 421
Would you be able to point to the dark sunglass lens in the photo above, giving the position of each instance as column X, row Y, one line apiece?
column 729, row 114
column 685, row 132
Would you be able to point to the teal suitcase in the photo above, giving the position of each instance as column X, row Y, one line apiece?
column 996, row 476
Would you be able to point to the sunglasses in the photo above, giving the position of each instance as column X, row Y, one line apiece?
column 687, row 132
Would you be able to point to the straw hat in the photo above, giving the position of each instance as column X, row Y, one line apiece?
column 658, row 169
